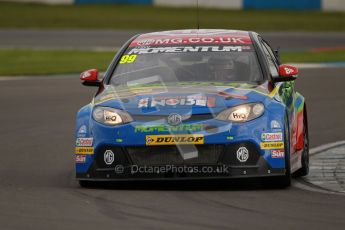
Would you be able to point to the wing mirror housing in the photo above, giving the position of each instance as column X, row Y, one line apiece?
column 286, row 73
column 90, row 78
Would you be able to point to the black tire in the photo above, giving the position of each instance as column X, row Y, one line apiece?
column 285, row 181
column 305, row 154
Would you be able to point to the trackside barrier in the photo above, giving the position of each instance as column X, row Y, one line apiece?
column 143, row 2
column 324, row 5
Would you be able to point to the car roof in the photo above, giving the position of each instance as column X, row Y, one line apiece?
column 193, row 36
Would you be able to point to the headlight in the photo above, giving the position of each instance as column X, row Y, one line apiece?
column 242, row 113
column 110, row 116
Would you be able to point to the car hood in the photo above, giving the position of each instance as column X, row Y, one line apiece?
column 187, row 98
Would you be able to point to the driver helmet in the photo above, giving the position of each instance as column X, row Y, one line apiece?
column 222, row 68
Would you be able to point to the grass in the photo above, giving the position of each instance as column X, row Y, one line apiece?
column 314, row 57
column 20, row 15
column 43, row 62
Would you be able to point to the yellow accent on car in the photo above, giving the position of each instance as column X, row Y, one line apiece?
column 272, row 145
column 84, row 150
column 185, row 139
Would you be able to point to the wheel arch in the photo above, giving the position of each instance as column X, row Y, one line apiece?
column 301, row 115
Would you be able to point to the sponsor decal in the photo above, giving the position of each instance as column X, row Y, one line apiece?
column 275, row 125
column 277, row 153
column 187, row 49
column 149, row 140
column 242, row 154
column 80, row 158
column 174, row 119
column 175, row 101
column 82, row 131
column 288, row 71
column 128, row 59
column 84, row 150
column 272, row 145
column 84, row 142
column 187, row 139
column 143, row 103
column 145, row 42
column 109, row 157
column 241, row 116
column 164, row 128
column 272, row 136
column 223, row 40
column 86, row 74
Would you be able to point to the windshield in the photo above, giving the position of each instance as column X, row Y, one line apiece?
column 142, row 65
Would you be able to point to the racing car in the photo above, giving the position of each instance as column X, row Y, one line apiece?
column 193, row 104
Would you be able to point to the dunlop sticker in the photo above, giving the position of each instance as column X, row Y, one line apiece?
column 84, row 150
column 188, row 139
column 272, row 145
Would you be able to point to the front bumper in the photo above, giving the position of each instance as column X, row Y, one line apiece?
column 177, row 162
column 218, row 154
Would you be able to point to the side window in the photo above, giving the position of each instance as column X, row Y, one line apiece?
column 272, row 61
column 271, row 53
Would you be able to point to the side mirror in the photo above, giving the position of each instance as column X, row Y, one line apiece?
column 90, row 78
column 287, row 73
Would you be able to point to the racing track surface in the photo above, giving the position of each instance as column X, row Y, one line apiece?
column 112, row 39
column 37, row 189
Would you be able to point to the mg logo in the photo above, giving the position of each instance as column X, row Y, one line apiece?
column 242, row 154
column 109, row 157
column 174, row 119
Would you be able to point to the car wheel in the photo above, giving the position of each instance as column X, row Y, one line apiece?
column 285, row 181
column 305, row 154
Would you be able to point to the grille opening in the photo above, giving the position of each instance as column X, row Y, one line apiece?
column 175, row 155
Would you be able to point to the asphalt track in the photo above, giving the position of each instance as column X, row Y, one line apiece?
column 38, row 190
column 112, row 39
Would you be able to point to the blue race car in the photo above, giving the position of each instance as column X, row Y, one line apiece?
column 193, row 104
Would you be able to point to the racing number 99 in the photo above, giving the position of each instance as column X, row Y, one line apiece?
column 128, row 59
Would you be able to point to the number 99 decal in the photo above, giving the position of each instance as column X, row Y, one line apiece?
column 128, row 59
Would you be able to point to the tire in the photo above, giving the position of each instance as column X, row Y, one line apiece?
column 285, row 181
column 305, row 154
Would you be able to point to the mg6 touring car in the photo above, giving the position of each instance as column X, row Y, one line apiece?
column 193, row 104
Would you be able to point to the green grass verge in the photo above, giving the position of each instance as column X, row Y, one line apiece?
column 314, row 57
column 21, row 15
column 41, row 62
